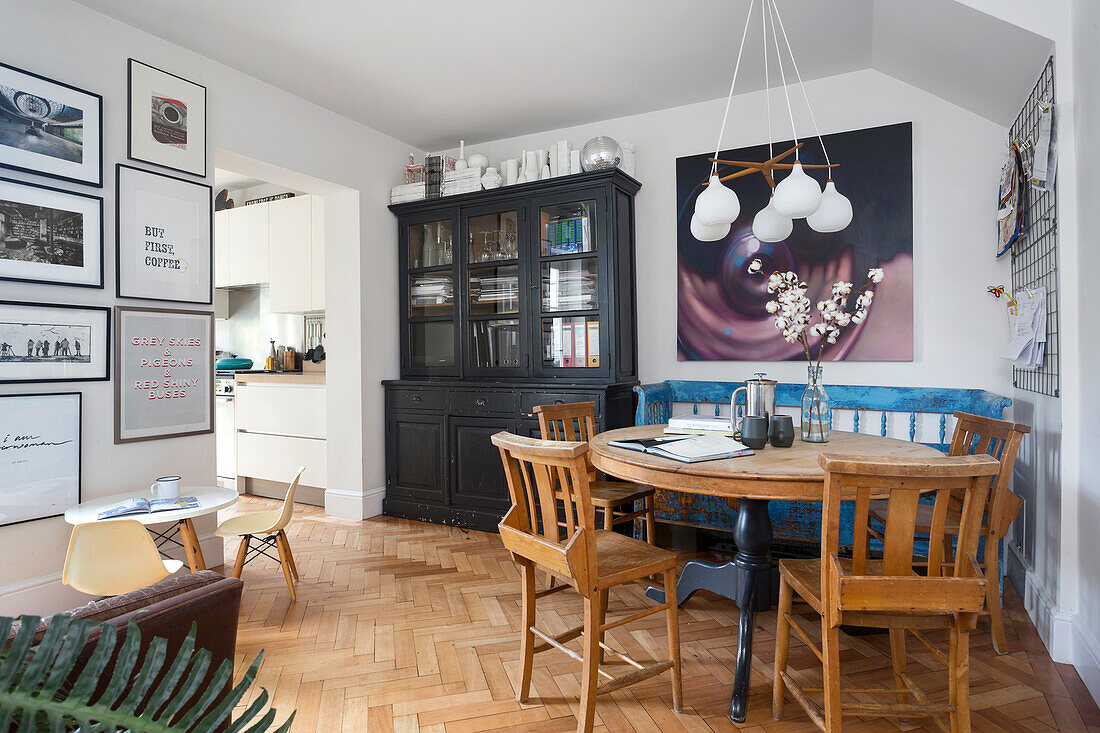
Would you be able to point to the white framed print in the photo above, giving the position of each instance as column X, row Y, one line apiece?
column 50, row 236
column 39, row 455
column 50, row 342
column 165, row 384
column 164, row 238
column 49, row 128
column 167, row 119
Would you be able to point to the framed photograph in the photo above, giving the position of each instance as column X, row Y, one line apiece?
column 50, row 236
column 164, row 238
column 47, row 342
column 50, row 128
column 39, row 455
column 165, row 385
column 167, row 120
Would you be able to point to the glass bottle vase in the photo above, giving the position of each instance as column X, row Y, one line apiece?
column 817, row 414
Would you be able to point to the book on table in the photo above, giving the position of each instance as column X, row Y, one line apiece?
column 699, row 425
column 687, row 449
column 142, row 505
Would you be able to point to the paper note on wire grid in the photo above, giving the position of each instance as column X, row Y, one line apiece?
column 1028, row 329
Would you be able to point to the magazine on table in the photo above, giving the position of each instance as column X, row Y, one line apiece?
column 142, row 505
column 687, row 449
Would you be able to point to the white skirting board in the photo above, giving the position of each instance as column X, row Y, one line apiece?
column 354, row 505
column 46, row 595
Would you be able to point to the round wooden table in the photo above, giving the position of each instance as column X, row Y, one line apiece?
column 772, row 473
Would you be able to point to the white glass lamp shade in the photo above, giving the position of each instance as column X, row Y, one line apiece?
column 834, row 213
column 770, row 226
column 708, row 232
column 716, row 204
column 797, row 195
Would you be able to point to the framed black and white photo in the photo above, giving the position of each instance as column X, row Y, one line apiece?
column 49, row 342
column 50, row 236
column 165, row 385
column 167, row 120
column 50, row 128
column 39, row 455
column 164, row 240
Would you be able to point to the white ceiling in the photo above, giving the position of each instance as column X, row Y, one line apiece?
column 432, row 71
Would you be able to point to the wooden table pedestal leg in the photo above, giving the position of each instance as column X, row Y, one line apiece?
column 191, row 546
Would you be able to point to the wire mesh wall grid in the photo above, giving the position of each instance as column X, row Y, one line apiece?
column 1035, row 252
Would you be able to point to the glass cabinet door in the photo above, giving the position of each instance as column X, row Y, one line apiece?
column 492, row 267
column 431, row 297
column 569, row 294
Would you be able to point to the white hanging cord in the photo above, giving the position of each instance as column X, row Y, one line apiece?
column 767, row 81
column 805, row 96
column 729, row 99
column 783, row 77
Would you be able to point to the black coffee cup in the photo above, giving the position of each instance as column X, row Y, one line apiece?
column 754, row 431
column 781, row 432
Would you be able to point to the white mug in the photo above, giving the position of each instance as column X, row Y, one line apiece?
column 166, row 487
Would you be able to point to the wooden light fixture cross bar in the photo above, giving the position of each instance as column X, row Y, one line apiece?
column 765, row 169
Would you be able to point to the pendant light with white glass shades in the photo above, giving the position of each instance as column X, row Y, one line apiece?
column 709, row 232
column 770, row 226
column 797, row 195
column 834, row 213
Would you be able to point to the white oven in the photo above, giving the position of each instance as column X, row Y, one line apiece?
column 225, row 431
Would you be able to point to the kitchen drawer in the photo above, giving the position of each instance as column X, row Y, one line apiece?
column 478, row 402
column 528, row 400
column 277, row 458
column 283, row 409
column 418, row 399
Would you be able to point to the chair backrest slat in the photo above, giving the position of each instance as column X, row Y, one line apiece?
column 539, row 472
column 572, row 421
column 976, row 435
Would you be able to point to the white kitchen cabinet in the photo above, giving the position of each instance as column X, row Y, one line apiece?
column 291, row 257
column 317, row 255
column 284, row 409
column 277, row 458
column 221, row 249
column 248, row 245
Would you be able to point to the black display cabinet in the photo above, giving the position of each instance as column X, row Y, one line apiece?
column 510, row 298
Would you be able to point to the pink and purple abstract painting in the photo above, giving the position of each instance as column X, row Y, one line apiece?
column 721, row 313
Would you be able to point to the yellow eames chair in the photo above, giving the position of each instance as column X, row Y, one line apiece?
column 271, row 525
column 112, row 558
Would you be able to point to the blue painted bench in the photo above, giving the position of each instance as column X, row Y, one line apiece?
column 919, row 414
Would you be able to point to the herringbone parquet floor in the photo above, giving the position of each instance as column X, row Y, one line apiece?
column 402, row 626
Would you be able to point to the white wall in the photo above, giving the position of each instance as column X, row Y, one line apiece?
column 956, row 160
column 1086, row 113
column 257, row 120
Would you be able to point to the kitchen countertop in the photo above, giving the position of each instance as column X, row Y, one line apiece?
column 281, row 378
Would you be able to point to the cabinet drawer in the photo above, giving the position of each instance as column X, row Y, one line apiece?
column 282, row 409
column 418, row 399
column 277, row 457
column 528, row 400
column 476, row 402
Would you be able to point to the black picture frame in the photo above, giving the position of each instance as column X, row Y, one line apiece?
column 96, row 180
column 79, row 451
column 30, row 184
column 105, row 377
column 209, row 209
column 130, row 152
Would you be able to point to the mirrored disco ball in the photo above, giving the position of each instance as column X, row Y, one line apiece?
column 599, row 153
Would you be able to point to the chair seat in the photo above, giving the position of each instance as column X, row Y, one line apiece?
column 611, row 494
column 805, row 578
column 254, row 523
column 621, row 559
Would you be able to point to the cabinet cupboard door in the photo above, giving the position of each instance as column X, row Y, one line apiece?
column 221, row 249
column 415, row 467
column 248, row 246
column 477, row 473
column 317, row 251
column 291, row 235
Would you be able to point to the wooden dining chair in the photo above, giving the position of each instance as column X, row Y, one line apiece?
column 269, row 530
column 976, row 435
column 887, row 593
column 539, row 472
column 114, row 557
column 616, row 500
